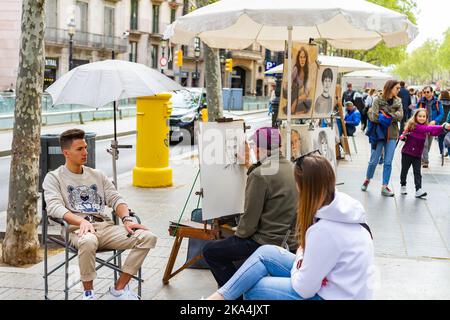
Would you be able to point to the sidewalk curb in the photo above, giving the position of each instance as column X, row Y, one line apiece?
column 6, row 153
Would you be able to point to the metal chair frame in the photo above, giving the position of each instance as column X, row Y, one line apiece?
column 116, row 265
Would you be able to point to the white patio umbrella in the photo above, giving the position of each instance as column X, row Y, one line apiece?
column 343, row 64
column 98, row 83
column 236, row 24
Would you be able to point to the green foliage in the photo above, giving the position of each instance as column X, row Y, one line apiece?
column 381, row 54
column 426, row 63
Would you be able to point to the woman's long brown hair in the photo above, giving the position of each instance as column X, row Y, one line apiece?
column 388, row 87
column 316, row 183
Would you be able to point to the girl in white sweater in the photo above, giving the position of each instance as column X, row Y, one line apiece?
column 335, row 257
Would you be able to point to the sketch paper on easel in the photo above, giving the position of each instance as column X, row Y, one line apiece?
column 222, row 177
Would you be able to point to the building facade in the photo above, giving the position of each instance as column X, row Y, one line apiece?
column 126, row 29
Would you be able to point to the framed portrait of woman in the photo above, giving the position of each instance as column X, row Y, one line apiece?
column 325, row 99
column 303, row 74
column 301, row 140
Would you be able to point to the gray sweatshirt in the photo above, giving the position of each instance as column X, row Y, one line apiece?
column 82, row 194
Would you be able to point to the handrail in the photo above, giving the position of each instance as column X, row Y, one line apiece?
column 61, row 113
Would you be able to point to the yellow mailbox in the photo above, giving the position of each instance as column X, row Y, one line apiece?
column 152, row 145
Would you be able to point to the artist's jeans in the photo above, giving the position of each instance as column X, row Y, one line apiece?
column 266, row 275
column 389, row 150
column 220, row 255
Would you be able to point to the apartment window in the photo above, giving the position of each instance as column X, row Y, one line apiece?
column 155, row 25
column 134, row 14
column 133, row 51
column 155, row 18
column 109, row 26
column 173, row 14
column 51, row 14
column 154, row 56
column 81, row 17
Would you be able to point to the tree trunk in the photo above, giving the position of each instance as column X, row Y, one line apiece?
column 21, row 243
column 213, row 83
column 213, row 76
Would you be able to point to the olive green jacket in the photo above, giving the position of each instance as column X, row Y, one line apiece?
column 271, row 199
column 395, row 111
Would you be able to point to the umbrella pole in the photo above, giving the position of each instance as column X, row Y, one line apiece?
column 289, row 95
column 114, row 151
column 114, row 148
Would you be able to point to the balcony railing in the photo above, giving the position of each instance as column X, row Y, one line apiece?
column 86, row 39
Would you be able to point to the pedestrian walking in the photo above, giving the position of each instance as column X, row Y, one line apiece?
column 335, row 257
column 385, row 114
column 406, row 102
column 367, row 105
column 444, row 98
column 435, row 113
column 414, row 136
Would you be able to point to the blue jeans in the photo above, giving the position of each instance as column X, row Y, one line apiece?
column 389, row 150
column 264, row 276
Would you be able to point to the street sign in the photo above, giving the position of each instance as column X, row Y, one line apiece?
column 270, row 65
column 163, row 61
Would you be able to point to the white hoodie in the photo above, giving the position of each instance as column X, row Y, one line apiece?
column 339, row 249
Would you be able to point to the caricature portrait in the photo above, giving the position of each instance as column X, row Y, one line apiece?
column 325, row 88
column 303, row 76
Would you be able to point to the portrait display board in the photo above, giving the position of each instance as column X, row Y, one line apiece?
column 325, row 99
column 304, row 140
column 323, row 139
column 303, row 75
column 222, row 177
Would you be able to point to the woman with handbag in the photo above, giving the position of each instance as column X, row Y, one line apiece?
column 415, row 133
column 390, row 106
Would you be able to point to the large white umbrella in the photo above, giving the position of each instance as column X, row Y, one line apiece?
column 236, row 24
column 343, row 64
column 98, row 83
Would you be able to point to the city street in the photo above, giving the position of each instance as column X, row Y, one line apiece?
column 127, row 157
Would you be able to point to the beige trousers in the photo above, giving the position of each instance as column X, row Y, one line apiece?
column 109, row 236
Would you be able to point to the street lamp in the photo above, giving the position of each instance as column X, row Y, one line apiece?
column 163, row 43
column 71, row 30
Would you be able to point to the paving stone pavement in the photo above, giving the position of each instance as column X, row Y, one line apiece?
column 411, row 236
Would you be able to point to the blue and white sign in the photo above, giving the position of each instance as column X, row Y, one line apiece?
column 270, row 65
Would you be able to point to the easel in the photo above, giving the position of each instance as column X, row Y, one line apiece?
column 344, row 138
column 192, row 230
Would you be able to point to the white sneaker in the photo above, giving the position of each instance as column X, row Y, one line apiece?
column 89, row 295
column 420, row 193
column 125, row 294
column 403, row 190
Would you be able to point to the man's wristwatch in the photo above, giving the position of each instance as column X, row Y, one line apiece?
column 127, row 218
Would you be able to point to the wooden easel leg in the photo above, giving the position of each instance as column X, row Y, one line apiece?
column 172, row 259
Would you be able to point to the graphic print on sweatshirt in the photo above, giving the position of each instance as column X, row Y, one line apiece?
column 85, row 199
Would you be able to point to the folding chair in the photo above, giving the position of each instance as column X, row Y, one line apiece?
column 116, row 265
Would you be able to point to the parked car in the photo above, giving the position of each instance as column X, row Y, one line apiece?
column 186, row 107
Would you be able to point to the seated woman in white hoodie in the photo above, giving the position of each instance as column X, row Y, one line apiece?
column 335, row 257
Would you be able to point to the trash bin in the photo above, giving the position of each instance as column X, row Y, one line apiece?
column 51, row 155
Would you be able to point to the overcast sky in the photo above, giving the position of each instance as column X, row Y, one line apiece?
column 433, row 20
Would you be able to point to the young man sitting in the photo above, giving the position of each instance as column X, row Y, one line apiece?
column 78, row 194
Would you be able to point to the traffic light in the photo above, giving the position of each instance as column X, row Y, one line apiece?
column 229, row 65
column 179, row 58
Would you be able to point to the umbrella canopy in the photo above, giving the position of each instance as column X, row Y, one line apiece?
column 373, row 74
column 343, row 64
column 349, row 24
column 98, row 83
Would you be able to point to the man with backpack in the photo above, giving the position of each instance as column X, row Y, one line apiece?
column 435, row 113
column 348, row 95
